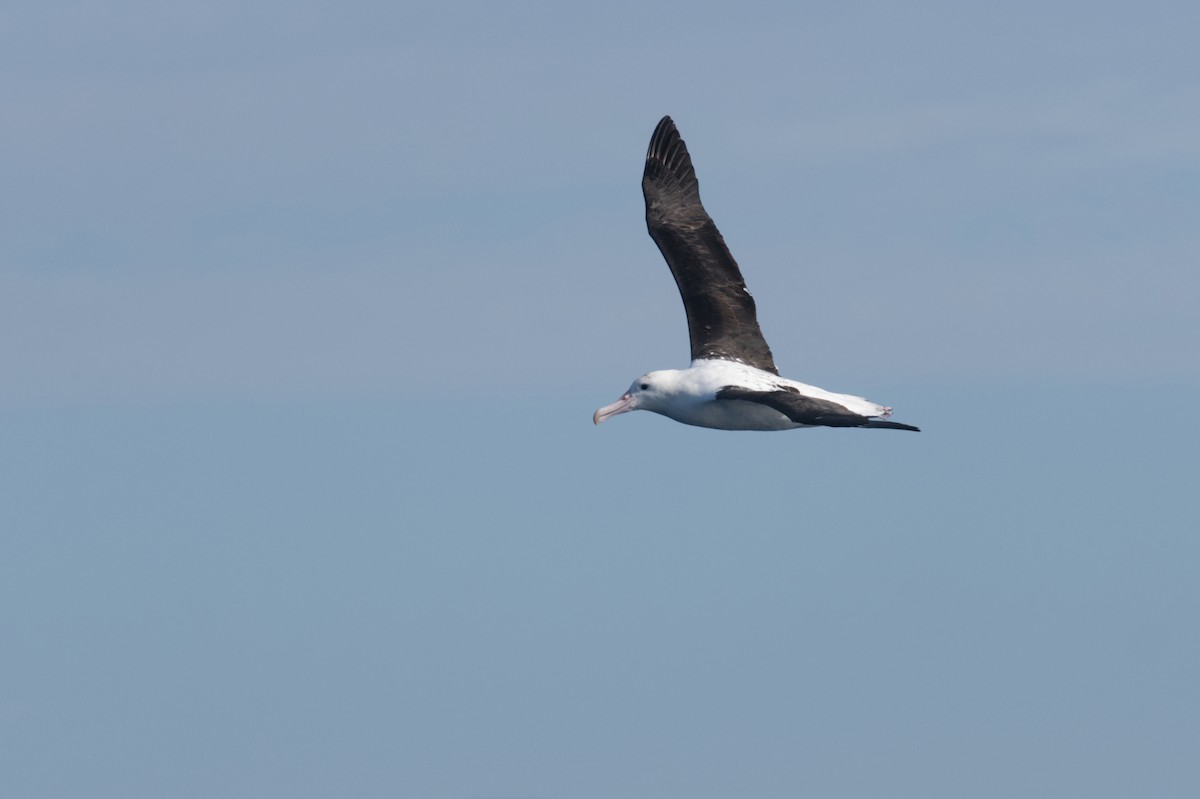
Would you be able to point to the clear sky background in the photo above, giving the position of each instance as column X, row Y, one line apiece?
column 305, row 308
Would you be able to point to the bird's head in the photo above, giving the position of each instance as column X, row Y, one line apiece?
column 650, row 392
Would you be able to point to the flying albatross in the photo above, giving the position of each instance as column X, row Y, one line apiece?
column 732, row 383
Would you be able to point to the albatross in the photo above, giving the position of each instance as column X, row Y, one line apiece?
column 732, row 383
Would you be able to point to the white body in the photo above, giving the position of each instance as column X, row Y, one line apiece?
column 690, row 396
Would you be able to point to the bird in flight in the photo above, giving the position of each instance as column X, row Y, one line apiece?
column 732, row 383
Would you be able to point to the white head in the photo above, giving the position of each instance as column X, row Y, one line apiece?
column 650, row 392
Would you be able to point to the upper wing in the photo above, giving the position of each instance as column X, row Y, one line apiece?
column 720, row 311
column 808, row 410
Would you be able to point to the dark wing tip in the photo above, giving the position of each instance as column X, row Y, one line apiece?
column 884, row 425
column 669, row 169
column 664, row 132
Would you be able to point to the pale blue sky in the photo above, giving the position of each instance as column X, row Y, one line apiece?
column 305, row 308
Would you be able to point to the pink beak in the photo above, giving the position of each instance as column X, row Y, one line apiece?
column 625, row 403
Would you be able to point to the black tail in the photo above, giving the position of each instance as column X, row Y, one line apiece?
column 890, row 425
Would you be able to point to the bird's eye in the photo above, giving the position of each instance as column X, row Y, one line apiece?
column 644, row 386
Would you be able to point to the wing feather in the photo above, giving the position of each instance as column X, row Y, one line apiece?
column 722, row 322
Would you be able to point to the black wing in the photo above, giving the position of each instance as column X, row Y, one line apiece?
column 720, row 311
column 809, row 410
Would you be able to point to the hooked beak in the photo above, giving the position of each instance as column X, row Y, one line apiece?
column 625, row 403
